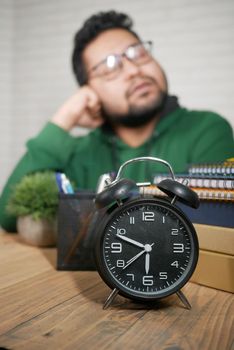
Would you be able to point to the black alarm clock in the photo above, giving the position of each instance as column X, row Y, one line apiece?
column 146, row 248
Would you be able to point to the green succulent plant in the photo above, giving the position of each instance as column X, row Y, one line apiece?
column 36, row 195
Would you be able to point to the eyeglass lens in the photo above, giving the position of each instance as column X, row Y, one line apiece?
column 139, row 54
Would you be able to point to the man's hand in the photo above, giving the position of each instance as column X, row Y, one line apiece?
column 81, row 109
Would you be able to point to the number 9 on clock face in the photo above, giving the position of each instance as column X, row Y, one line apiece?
column 146, row 248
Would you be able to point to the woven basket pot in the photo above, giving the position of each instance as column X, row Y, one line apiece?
column 40, row 233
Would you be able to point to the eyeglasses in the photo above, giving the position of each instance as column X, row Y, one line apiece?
column 111, row 66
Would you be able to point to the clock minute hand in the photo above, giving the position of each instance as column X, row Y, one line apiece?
column 148, row 248
column 147, row 263
column 129, row 240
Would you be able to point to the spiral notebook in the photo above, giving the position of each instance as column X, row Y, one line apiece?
column 214, row 184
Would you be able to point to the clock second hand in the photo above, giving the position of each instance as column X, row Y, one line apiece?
column 134, row 258
column 138, row 255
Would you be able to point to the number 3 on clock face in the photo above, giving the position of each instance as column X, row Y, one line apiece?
column 147, row 249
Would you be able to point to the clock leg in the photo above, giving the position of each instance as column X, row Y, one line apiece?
column 184, row 300
column 110, row 298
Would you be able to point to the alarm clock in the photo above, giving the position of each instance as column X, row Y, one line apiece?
column 146, row 248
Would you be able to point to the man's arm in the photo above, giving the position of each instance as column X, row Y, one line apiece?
column 52, row 149
column 215, row 142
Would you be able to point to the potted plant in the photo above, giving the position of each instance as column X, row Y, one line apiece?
column 34, row 202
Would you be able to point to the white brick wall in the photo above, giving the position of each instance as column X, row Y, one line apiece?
column 193, row 40
column 6, row 56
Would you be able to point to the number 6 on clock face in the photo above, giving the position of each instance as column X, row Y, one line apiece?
column 146, row 249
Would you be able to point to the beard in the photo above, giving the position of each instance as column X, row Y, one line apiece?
column 137, row 116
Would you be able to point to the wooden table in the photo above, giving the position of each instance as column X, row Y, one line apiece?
column 41, row 308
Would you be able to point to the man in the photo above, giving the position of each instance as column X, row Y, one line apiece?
column 124, row 98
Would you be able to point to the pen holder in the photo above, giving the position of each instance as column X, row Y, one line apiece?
column 76, row 222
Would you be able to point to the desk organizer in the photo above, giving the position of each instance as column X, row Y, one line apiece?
column 76, row 222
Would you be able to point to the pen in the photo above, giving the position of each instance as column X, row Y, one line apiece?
column 63, row 183
column 66, row 185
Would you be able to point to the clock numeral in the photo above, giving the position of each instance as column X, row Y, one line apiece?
column 175, row 263
column 120, row 263
column 148, row 216
column 116, row 247
column 121, row 231
column 174, row 231
column 178, row 248
column 131, row 275
column 163, row 275
column 148, row 280
column 132, row 220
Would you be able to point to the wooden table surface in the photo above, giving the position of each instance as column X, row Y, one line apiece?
column 41, row 308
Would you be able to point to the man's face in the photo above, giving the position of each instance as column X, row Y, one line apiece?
column 135, row 89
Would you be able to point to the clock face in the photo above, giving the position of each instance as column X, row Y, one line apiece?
column 147, row 249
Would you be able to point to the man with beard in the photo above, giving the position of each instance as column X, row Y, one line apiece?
column 124, row 98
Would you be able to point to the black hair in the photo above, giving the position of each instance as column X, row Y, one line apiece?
column 92, row 27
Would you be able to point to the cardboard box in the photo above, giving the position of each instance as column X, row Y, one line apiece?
column 215, row 238
column 215, row 270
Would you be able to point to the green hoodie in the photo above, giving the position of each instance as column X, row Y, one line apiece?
column 181, row 138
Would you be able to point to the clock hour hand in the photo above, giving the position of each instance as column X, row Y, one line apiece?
column 129, row 240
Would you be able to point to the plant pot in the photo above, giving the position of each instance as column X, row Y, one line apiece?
column 40, row 233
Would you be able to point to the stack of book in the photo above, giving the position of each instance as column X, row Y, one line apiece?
column 214, row 184
column 213, row 220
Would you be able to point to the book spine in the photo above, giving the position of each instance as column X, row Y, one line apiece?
column 225, row 168
column 201, row 182
column 216, row 194
column 203, row 193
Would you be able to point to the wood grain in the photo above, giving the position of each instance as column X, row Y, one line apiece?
column 42, row 308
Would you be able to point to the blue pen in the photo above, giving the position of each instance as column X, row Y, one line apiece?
column 66, row 185
column 63, row 183
column 59, row 181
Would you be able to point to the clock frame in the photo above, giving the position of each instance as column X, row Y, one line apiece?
column 146, row 248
